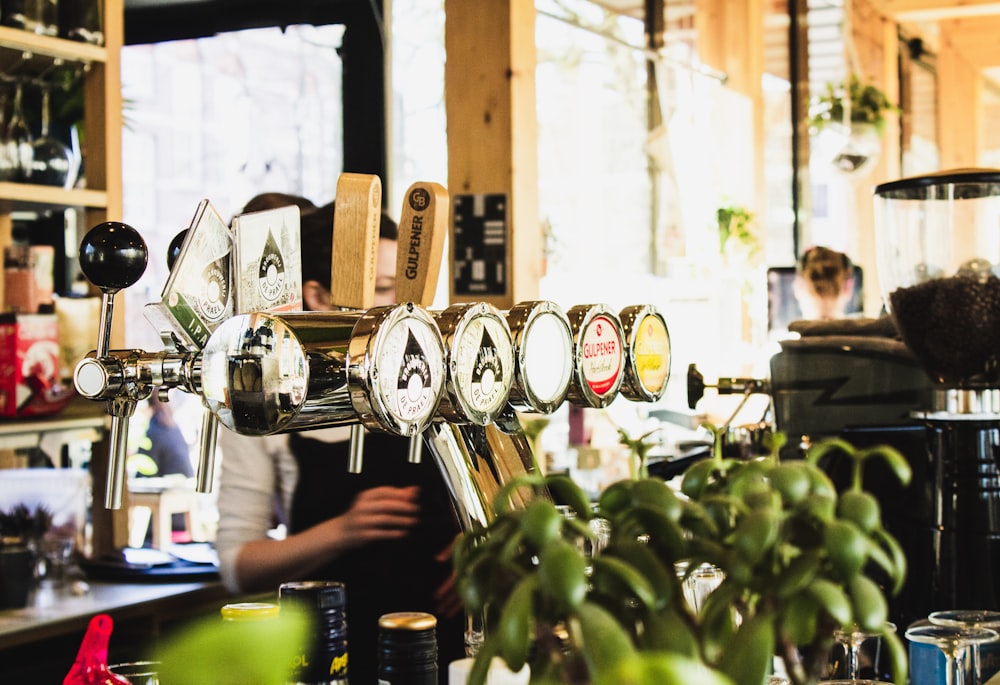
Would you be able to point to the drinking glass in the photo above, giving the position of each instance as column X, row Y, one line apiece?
column 8, row 148
column 699, row 583
column 19, row 136
column 53, row 162
column 953, row 641
column 852, row 639
column 969, row 618
column 138, row 672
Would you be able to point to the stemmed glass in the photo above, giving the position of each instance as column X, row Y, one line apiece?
column 953, row 641
column 852, row 639
column 968, row 618
column 52, row 160
column 19, row 137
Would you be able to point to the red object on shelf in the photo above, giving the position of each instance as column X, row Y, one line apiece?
column 91, row 665
column 30, row 382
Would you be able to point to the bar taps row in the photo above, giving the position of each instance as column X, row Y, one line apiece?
column 452, row 380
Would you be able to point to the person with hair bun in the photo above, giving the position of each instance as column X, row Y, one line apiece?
column 824, row 283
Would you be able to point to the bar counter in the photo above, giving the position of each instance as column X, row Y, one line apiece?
column 38, row 643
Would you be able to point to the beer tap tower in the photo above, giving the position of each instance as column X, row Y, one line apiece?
column 456, row 377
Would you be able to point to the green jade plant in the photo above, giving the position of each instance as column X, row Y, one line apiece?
column 800, row 561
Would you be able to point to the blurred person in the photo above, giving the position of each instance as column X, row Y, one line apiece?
column 165, row 444
column 386, row 533
column 824, row 283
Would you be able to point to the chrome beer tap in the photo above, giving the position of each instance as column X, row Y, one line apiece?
column 113, row 256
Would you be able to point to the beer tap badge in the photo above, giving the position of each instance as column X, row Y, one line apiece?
column 215, row 289
column 487, row 373
column 601, row 355
column 409, row 371
column 197, row 296
column 268, row 260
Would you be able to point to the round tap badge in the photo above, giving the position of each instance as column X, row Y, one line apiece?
column 601, row 355
column 214, row 293
column 483, row 366
column 652, row 353
column 409, row 380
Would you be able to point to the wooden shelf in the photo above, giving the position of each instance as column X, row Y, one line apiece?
column 81, row 419
column 27, row 195
column 15, row 42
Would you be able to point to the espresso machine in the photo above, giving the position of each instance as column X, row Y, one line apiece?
column 925, row 380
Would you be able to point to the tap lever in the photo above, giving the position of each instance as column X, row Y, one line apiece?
column 724, row 386
column 356, row 216
column 113, row 256
column 356, row 456
column 205, row 475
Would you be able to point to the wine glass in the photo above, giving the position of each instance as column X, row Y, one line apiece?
column 970, row 618
column 953, row 641
column 852, row 639
column 19, row 137
column 53, row 161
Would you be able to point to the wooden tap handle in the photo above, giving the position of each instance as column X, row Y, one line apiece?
column 356, row 216
column 423, row 225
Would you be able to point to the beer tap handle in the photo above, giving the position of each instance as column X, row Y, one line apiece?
column 356, row 217
column 423, row 224
column 113, row 256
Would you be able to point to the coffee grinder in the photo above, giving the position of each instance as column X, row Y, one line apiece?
column 938, row 251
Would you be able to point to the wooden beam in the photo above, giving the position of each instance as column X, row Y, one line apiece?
column 978, row 40
column 959, row 110
column 935, row 10
column 493, row 129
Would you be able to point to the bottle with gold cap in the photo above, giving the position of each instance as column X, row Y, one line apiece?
column 407, row 649
column 323, row 657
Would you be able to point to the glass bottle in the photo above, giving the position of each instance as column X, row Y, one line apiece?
column 323, row 659
column 81, row 20
column 407, row 649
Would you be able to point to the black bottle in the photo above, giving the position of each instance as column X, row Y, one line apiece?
column 323, row 659
column 407, row 649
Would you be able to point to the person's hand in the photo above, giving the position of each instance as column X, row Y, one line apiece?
column 446, row 601
column 382, row 513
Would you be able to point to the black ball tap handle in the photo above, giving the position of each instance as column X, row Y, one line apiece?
column 174, row 249
column 113, row 256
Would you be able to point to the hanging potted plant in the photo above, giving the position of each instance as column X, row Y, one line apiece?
column 849, row 120
column 799, row 562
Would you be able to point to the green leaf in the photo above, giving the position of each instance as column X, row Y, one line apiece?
column 562, row 574
column 870, row 608
column 213, row 652
column 565, row 490
column 514, row 629
column 833, row 600
column 748, row 657
column 610, row 574
column 662, row 668
column 604, row 643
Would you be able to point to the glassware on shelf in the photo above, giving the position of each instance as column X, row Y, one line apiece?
column 18, row 135
column 8, row 147
column 969, row 618
column 81, row 20
column 954, row 642
column 36, row 16
column 852, row 639
column 53, row 161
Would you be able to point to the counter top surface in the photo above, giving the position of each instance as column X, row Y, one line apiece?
column 58, row 611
